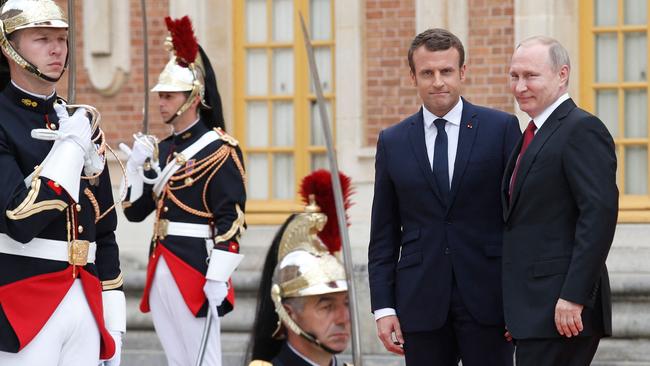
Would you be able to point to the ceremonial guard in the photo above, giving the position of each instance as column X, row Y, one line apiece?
column 61, row 299
column 302, row 313
column 194, row 182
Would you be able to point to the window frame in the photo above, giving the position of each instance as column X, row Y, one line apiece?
column 632, row 208
column 275, row 211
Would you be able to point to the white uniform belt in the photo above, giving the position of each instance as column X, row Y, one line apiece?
column 56, row 250
column 188, row 230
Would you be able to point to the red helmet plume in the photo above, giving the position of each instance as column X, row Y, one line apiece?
column 319, row 183
column 184, row 42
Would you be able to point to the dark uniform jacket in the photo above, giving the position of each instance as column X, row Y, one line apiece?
column 287, row 357
column 31, row 288
column 208, row 189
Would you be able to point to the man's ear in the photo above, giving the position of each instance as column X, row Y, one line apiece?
column 290, row 312
column 564, row 74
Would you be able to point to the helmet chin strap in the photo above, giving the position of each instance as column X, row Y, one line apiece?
column 284, row 317
column 22, row 62
column 312, row 338
column 185, row 106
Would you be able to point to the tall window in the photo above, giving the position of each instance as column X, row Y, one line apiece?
column 276, row 113
column 614, row 86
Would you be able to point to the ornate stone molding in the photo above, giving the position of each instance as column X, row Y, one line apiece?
column 106, row 39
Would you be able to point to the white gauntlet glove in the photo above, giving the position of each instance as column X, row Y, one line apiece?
column 137, row 156
column 215, row 292
column 66, row 158
column 115, row 320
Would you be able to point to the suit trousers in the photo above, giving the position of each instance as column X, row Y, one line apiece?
column 461, row 338
column 69, row 338
column 179, row 331
column 574, row 351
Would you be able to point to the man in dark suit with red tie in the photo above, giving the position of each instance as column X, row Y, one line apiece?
column 560, row 207
column 434, row 258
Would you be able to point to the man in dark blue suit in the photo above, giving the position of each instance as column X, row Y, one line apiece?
column 436, row 231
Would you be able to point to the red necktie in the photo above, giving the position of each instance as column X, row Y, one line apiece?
column 529, row 133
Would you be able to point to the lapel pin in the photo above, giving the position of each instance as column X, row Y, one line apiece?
column 469, row 124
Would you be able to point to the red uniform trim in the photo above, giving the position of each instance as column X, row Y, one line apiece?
column 56, row 188
column 29, row 304
column 190, row 282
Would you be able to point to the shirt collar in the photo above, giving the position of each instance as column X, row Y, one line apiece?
column 189, row 134
column 41, row 96
column 542, row 117
column 187, row 128
column 333, row 362
column 453, row 116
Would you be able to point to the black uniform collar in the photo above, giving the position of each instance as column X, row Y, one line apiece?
column 289, row 356
column 191, row 134
column 28, row 101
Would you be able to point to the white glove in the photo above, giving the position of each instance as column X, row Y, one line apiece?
column 216, row 292
column 137, row 155
column 93, row 162
column 117, row 357
column 134, row 166
column 75, row 127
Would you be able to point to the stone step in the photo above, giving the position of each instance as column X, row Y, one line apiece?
column 142, row 348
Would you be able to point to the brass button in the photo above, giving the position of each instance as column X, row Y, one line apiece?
column 56, row 184
column 189, row 181
column 165, row 209
column 80, row 229
column 78, row 207
column 52, row 126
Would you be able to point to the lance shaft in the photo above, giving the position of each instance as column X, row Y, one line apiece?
column 72, row 57
column 338, row 199
column 145, row 72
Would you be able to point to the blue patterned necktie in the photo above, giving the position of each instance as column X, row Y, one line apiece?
column 440, row 159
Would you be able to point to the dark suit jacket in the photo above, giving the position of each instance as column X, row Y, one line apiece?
column 560, row 224
column 408, row 217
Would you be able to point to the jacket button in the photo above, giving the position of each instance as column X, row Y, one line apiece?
column 447, row 251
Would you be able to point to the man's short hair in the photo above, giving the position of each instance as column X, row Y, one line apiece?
column 436, row 39
column 557, row 54
column 297, row 304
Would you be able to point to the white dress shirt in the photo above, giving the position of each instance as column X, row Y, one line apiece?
column 452, row 127
column 542, row 117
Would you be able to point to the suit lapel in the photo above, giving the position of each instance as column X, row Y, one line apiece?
column 419, row 147
column 505, row 182
column 469, row 124
column 548, row 128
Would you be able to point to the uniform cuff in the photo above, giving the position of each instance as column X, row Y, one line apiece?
column 222, row 265
column 114, row 310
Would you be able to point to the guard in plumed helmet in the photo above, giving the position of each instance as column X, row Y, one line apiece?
column 194, row 183
column 61, row 298
column 302, row 313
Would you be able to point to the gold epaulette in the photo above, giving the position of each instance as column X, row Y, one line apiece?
column 260, row 363
column 226, row 137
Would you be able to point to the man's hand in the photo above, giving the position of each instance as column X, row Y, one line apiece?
column 75, row 127
column 386, row 327
column 507, row 336
column 215, row 292
column 568, row 319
